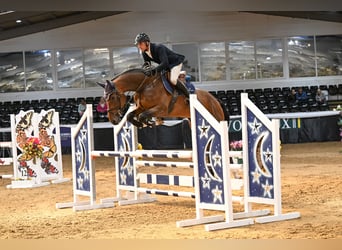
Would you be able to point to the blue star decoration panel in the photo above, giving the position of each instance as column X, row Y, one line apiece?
column 260, row 156
column 209, row 162
column 82, row 159
column 125, row 143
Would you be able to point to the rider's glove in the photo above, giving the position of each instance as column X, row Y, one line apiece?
column 146, row 65
column 149, row 72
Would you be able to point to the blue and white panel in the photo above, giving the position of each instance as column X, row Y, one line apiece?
column 125, row 140
column 82, row 164
column 260, row 158
column 210, row 165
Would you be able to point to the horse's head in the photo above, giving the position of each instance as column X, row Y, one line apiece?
column 116, row 102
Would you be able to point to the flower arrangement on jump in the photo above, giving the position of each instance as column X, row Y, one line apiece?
column 236, row 146
column 32, row 149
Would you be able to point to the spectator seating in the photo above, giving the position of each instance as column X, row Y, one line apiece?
column 269, row 100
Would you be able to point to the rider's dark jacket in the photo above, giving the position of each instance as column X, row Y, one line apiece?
column 163, row 56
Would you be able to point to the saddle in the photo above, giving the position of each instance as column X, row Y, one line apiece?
column 165, row 76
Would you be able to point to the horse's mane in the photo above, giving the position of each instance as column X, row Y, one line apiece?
column 134, row 70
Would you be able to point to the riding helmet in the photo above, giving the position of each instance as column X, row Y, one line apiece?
column 142, row 37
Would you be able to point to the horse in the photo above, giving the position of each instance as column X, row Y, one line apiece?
column 151, row 99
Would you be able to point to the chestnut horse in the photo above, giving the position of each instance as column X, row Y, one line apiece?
column 151, row 99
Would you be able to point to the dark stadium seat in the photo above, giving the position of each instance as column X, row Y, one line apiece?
column 313, row 106
column 294, row 108
column 324, row 107
column 333, row 90
column 340, row 89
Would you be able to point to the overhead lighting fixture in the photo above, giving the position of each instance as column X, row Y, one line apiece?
column 18, row 21
column 4, row 12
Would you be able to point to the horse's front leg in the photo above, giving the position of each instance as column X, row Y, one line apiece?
column 146, row 116
column 132, row 117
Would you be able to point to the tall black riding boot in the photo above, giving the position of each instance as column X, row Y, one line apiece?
column 181, row 87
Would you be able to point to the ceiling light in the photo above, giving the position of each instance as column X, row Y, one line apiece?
column 18, row 21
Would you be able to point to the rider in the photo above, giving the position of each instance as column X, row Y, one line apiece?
column 166, row 58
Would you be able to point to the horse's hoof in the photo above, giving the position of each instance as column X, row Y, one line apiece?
column 150, row 124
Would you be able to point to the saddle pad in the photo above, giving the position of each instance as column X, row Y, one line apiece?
column 167, row 84
column 169, row 88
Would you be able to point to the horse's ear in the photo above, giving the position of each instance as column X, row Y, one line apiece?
column 103, row 85
column 109, row 85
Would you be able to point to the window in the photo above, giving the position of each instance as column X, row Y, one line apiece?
column 70, row 69
column 242, row 60
column 213, row 62
column 190, row 65
column 126, row 58
column 329, row 55
column 269, row 58
column 96, row 66
column 12, row 76
column 301, row 56
column 38, row 70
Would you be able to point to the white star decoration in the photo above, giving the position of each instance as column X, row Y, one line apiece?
column 217, row 159
column 123, row 178
column 129, row 169
column 217, row 194
column 86, row 174
column 256, row 176
column 204, row 129
column 206, row 181
column 268, row 155
column 126, row 130
column 255, row 126
column 83, row 134
column 78, row 155
column 80, row 183
column 267, row 189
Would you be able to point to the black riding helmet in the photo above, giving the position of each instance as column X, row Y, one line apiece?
column 142, row 37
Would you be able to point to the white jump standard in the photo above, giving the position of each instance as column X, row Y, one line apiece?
column 261, row 165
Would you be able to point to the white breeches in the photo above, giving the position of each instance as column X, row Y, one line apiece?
column 175, row 73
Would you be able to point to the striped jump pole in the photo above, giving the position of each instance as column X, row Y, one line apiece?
column 145, row 153
column 169, row 164
column 5, row 144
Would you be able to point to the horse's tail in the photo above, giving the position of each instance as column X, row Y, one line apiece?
column 225, row 110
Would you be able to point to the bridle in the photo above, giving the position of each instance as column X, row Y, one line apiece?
column 122, row 109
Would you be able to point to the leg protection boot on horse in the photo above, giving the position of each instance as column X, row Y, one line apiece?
column 181, row 87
